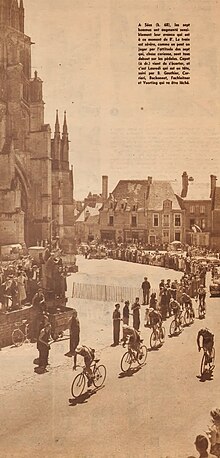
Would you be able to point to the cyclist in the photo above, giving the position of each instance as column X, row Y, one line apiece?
column 89, row 355
column 207, row 338
column 202, row 296
column 187, row 302
column 155, row 319
column 134, row 338
column 176, row 308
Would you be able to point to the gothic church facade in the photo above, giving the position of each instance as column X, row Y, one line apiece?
column 36, row 181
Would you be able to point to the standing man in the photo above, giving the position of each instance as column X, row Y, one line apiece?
column 116, row 325
column 126, row 313
column 125, row 317
column 136, row 314
column 146, row 291
column 43, row 346
column 74, row 336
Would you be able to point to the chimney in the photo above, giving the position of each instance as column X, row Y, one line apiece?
column 150, row 180
column 185, row 182
column 213, row 180
column 104, row 187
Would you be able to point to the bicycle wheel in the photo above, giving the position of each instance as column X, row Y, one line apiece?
column 200, row 312
column 153, row 340
column 186, row 318
column 78, row 385
column 162, row 335
column 17, row 337
column 203, row 363
column 213, row 358
column 142, row 355
column 173, row 327
column 99, row 376
column 126, row 362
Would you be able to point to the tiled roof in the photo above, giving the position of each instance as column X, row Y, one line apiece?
column 93, row 211
column 160, row 191
column 131, row 192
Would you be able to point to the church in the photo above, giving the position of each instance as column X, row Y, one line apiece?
column 36, row 180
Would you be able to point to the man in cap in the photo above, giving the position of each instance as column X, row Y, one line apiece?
column 74, row 335
column 146, row 291
column 116, row 317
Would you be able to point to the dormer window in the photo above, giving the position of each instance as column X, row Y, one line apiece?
column 167, row 205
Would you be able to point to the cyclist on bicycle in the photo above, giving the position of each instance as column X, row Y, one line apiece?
column 176, row 308
column 205, row 340
column 89, row 355
column 187, row 302
column 134, row 338
column 202, row 296
column 155, row 319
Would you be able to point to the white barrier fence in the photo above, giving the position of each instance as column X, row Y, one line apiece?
column 106, row 293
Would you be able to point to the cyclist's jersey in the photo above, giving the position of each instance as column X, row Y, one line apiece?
column 134, row 335
column 201, row 292
column 208, row 337
column 175, row 307
column 87, row 353
column 186, row 299
column 155, row 317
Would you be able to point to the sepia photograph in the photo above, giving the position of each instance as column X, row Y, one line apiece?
column 110, row 228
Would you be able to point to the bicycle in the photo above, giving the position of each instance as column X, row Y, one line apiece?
column 157, row 337
column 207, row 360
column 176, row 325
column 133, row 357
column 202, row 310
column 98, row 378
column 188, row 316
column 18, row 336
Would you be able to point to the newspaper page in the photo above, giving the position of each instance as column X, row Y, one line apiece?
column 109, row 228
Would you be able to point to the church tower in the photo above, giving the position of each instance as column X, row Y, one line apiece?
column 28, row 159
column 62, row 185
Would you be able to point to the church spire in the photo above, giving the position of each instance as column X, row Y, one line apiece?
column 65, row 141
column 57, row 124
column 65, row 131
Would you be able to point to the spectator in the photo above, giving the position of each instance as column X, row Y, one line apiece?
column 215, row 432
column 74, row 336
column 43, row 346
column 201, row 444
column 146, row 291
column 136, row 314
column 116, row 325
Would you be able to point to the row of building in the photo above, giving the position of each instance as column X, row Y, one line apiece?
column 155, row 212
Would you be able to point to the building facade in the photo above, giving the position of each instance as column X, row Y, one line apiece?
column 34, row 172
column 142, row 210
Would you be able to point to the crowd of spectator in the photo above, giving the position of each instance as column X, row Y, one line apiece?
column 21, row 279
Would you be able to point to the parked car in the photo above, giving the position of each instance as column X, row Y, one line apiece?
column 214, row 287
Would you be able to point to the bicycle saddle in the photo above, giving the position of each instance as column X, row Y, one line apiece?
column 24, row 321
column 97, row 360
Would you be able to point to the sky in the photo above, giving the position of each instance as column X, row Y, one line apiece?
column 86, row 53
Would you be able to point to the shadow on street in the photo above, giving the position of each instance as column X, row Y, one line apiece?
column 130, row 372
column 83, row 398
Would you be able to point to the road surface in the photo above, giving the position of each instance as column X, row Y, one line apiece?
column 155, row 412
